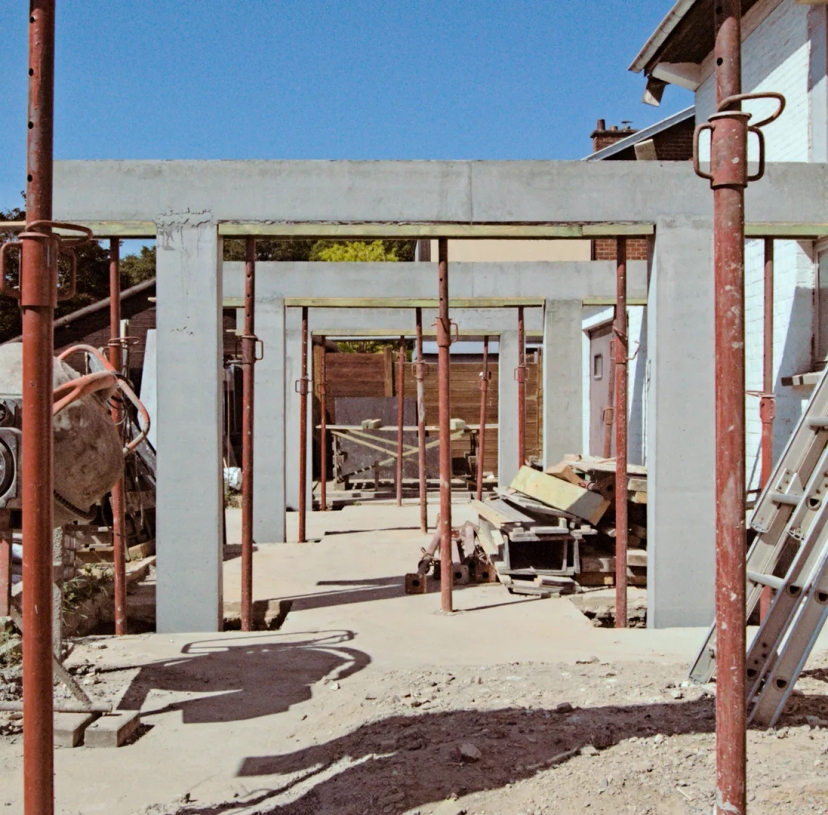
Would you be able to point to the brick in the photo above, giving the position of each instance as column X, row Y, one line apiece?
column 113, row 730
column 70, row 727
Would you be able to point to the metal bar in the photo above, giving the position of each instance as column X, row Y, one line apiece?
column 38, row 275
column 323, row 426
column 520, row 375
column 118, row 496
column 621, row 351
column 729, row 150
column 400, row 417
column 444, row 416
column 303, row 430
column 5, row 562
column 767, row 402
column 419, row 371
column 484, row 398
column 248, row 403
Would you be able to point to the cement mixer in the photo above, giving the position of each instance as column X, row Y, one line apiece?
column 88, row 451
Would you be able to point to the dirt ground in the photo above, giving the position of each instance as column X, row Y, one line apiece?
column 369, row 701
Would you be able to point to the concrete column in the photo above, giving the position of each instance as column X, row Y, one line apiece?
column 269, row 425
column 190, row 501
column 507, row 435
column 562, row 379
column 293, row 370
column 681, row 449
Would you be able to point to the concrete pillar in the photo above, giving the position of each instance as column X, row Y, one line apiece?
column 507, row 435
column 190, row 500
column 293, row 370
column 269, row 425
column 681, row 449
column 562, row 379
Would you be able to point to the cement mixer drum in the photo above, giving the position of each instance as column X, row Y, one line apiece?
column 88, row 452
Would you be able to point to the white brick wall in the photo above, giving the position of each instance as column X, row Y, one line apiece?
column 776, row 55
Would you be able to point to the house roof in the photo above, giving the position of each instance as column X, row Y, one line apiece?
column 686, row 34
column 642, row 135
column 126, row 294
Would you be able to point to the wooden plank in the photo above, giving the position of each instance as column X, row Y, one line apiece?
column 560, row 494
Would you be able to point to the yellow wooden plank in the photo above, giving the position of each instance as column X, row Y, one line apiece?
column 560, row 494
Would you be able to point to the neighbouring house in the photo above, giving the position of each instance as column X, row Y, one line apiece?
column 784, row 50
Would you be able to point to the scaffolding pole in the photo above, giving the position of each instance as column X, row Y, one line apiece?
column 444, row 417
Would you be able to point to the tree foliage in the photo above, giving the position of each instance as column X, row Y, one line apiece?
column 322, row 250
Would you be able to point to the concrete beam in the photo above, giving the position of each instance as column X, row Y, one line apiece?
column 190, row 500
column 385, row 192
column 681, row 507
column 313, row 283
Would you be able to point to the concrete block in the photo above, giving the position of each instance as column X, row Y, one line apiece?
column 114, row 729
column 70, row 727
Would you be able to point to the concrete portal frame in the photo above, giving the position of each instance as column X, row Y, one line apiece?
column 497, row 289
column 192, row 205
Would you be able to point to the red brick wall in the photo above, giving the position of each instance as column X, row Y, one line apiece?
column 604, row 249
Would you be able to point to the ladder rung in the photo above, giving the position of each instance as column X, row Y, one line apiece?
column 818, row 423
column 791, row 499
column 766, row 579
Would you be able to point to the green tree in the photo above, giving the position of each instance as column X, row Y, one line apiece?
column 136, row 269
column 353, row 252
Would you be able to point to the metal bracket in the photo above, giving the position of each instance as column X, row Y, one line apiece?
column 420, row 371
column 520, row 373
column 301, row 386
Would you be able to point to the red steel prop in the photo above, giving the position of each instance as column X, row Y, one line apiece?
column 302, row 390
column 38, row 294
column 400, row 416
column 248, row 396
column 444, row 421
column 323, row 426
column 767, row 400
column 728, row 178
column 485, row 376
column 419, row 375
column 621, row 346
column 118, row 496
column 520, row 377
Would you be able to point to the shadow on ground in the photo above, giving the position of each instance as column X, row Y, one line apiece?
column 413, row 760
column 360, row 591
column 246, row 678
column 418, row 755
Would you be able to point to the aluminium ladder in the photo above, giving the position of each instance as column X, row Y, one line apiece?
column 792, row 514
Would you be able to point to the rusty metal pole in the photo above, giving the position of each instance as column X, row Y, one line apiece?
column 323, row 426
column 419, row 373
column 303, row 429
column 118, row 495
column 621, row 351
column 767, row 401
column 444, row 417
column 729, row 170
column 520, row 376
column 38, row 285
column 400, row 417
column 248, row 396
column 481, row 435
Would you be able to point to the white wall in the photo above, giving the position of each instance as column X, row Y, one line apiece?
column 783, row 50
column 636, row 378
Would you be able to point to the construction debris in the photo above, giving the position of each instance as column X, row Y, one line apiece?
column 553, row 532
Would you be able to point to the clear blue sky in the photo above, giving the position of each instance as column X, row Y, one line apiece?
column 361, row 79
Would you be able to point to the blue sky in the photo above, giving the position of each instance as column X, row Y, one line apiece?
column 477, row 79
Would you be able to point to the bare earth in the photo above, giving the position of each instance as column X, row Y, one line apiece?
column 368, row 701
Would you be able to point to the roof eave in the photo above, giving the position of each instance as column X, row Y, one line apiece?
column 657, row 39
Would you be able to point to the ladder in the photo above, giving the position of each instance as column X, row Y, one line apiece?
column 790, row 518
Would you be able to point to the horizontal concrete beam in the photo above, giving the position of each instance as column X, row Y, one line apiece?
column 526, row 283
column 421, row 192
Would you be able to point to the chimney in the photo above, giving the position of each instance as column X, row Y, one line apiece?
column 603, row 137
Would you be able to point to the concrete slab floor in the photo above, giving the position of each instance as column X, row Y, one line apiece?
column 213, row 705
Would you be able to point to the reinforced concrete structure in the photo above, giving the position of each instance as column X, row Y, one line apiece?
column 190, row 206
